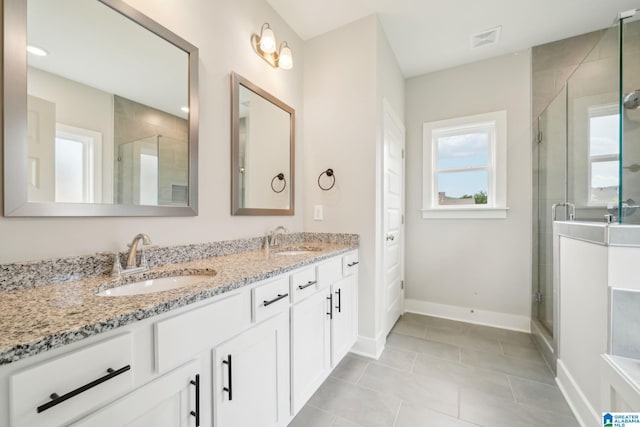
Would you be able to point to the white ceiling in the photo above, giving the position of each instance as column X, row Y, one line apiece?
column 430, row 35
column 92, row 44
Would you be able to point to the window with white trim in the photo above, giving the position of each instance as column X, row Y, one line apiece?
column 78, row 165
column 464, row 167
column 604, row 154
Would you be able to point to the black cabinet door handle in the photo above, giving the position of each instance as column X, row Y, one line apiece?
column 309, row 283
column 339, row 306
column 196, row 413
column 353, row 263
column 56, row 399
column 330, row 313
column 230, row 373
column 278, row 298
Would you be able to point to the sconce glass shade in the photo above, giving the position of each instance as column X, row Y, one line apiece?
column 267, row 40
column 285, row 59
column 35, row 50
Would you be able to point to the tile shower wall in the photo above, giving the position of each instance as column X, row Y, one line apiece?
column 625, row 323
column 134, row 122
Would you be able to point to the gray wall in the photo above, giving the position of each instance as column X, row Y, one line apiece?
column 474, row 270
column 348, row 72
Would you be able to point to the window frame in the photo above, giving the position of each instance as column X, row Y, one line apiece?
column 92, row 158
column 495, row 123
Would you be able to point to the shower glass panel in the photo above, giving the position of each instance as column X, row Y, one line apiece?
column 577, row 160
column 593, row 132
column 552, row 154
column 630, row 100
column 153, row 171
column 587, row 155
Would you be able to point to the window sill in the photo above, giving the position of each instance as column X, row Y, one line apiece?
column 464, row 213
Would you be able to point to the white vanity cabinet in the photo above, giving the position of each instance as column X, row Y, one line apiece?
column 58, row 390
column 249, row 357
column 344, row 322
column 251, row 376
column 172, row 400
column 310, row 347
column 323, row 326
column 344, row 326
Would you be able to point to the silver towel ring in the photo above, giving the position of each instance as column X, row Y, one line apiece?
column 330, row 174
column 279, row 177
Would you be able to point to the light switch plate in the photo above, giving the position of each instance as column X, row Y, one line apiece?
column 318, row 213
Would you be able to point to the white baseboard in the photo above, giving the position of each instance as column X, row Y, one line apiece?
column 582, row 409
column 369, row 347
column 465, row 314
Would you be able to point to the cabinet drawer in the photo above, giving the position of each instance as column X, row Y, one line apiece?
column 181, row 337
column 303, row 283
column 84, row 379
column 270, row 298
column 329, row 272
column 166, row 401
column 350, row 263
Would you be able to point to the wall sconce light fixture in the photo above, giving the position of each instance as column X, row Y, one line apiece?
column 265, row 46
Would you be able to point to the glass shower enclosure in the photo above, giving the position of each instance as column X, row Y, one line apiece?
column 152, row 171
column 586, row 157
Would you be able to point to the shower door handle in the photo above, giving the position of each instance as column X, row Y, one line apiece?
column 572, row 210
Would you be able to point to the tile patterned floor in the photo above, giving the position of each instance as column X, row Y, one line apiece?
column 441, row 373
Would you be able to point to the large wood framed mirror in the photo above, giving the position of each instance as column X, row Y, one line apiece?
column 100, row 112
column 262, row 151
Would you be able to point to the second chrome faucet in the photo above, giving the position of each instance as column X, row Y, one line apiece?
column 274, row 235
column 131, row 266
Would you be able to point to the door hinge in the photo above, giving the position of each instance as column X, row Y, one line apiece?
column 539, row 297
column 402, row 219
column 539, row 137
column 402, row 284
column 403, row 153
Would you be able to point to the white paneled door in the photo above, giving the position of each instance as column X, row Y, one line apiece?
column 393, row 225
column 41, row 136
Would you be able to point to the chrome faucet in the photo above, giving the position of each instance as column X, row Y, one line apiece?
column 277, row 232
column 131, row 266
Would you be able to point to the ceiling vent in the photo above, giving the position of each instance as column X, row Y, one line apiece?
column 486, row 37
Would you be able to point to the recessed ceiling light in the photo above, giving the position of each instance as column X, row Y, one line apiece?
column 185, row 109
column 35, row 50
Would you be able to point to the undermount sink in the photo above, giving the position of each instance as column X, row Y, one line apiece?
column 159, row 284
column 300, row 252
column 296, row 250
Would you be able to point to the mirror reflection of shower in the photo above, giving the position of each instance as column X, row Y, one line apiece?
column 152, row 171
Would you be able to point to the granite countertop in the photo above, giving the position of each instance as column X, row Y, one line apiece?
column 33, row 320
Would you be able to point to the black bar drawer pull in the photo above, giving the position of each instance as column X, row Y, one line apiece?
column 229, row 372
column 196, row 413
column 309, row 283
column 339, row 306
column 353, row 263
column 330, row 313
column 276, row 299
column 56, row 399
